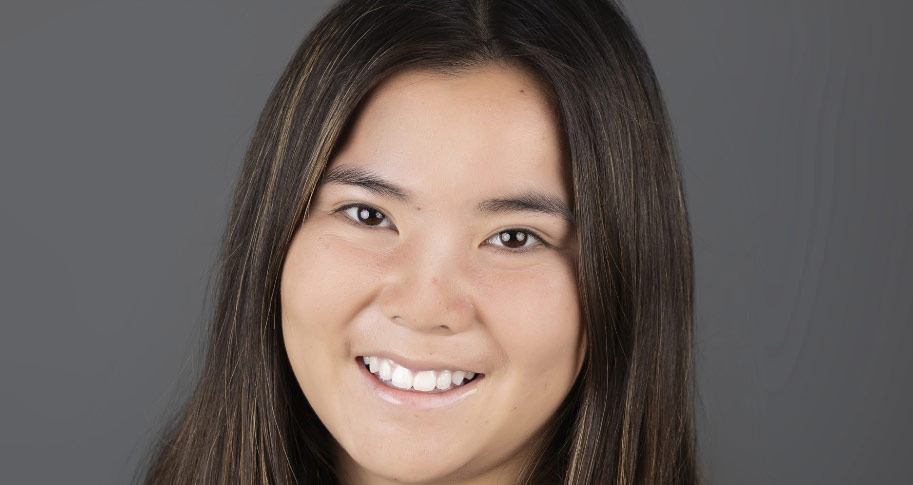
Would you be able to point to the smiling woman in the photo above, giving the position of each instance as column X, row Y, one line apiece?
column 433, row 289
column 458, row 253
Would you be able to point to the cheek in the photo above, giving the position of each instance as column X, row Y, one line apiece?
column 321, row 280
column 534, row 317
column 537, row 323
column 320, row 293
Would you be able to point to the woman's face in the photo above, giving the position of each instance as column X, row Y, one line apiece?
column 437, row 243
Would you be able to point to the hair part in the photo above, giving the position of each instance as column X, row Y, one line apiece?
column 628, row 417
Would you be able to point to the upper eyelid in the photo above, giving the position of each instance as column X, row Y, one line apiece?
column 343, row 208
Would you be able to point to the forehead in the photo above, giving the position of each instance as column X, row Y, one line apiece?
column 483, row 132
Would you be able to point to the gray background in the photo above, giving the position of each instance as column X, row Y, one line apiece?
column 123, row 128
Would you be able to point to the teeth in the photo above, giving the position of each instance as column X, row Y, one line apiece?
column 386, row 369
column 457, row 377
column 402, row 377
column 443, row 380
column 424, row 381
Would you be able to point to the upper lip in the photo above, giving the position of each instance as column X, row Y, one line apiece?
column 420, row 364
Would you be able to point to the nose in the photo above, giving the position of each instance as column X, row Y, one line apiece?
column 427, row 288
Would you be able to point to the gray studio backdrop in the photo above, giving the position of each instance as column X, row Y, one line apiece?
column 123, row 127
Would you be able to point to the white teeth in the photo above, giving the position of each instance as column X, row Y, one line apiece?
column 443, row 380
column 457, row 377
column 402, row 377
column 424, row 381
column 386, row 370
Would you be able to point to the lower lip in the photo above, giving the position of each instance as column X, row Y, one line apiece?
column 417, row 399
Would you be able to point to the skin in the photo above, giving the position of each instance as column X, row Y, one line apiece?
column 426, row 279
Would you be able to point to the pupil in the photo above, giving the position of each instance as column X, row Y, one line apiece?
column 519, row 236
column 365, row 215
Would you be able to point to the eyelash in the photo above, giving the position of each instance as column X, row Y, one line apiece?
column 528, row 232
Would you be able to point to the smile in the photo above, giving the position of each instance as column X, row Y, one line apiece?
column 431, row 381
column 408, row 394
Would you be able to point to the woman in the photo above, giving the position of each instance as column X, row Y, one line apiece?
column 458, row 253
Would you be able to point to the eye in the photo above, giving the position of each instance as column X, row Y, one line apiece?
column 515, row 240
column 363, row 215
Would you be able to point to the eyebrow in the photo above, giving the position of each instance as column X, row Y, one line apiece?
column 530, row 201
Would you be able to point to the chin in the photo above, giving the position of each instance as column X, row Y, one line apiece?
column 406, row 465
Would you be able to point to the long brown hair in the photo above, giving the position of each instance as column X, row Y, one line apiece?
column 628, row 417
